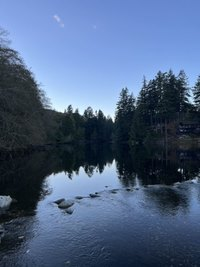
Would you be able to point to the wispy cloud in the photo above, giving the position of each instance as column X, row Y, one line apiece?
column 58, row 20
column 94, row 27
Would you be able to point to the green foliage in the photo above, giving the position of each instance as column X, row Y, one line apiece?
column 26, row 117
column 138, row 129
column 98, row 128
column 163, row 101
column 196, row 93
column 124, row 115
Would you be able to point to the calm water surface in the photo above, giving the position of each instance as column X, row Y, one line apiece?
column 151, row 219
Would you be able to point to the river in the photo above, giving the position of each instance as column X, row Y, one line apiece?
column 147, row 212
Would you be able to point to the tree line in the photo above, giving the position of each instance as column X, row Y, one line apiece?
column 27, row 119
column 163, row 102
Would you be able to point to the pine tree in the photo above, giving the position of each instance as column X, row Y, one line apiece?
column 196, row 93
column 124, row 115
column 183, row 92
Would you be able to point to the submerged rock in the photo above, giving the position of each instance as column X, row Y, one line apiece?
column 177, row 183
column 69, row 210
column 129, row 189
column 94, row 195
column 21, row 237
column 59, row 201
column 79, row 197
column 194, row 181
column 65, row 204
column 113, row 191
column 5, row 202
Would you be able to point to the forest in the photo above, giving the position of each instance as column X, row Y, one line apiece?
column 27, row 119
column 165, row 106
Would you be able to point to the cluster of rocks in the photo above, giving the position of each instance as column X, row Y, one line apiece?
column 67, row 204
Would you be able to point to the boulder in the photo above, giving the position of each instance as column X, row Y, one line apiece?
column 65, row 204
column 5, row 202
column 113, row 191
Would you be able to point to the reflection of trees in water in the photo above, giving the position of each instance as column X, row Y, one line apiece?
column 155, row 166
column 168, row 200
column 23, row 178
column 92, row 158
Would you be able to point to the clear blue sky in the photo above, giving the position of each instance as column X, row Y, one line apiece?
column 85, row 51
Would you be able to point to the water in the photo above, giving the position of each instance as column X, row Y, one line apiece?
column 151, row 219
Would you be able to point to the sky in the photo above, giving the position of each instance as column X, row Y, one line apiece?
column 83, row 52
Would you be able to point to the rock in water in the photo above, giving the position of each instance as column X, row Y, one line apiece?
column 5, row 202
column 59, row 201
column 79, row 197
column 113, row 191
column 65, row 204
column 70, row 210
column 94, row 195
column 129, row 189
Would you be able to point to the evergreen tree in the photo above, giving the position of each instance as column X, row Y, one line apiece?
column 142, row 101
column 196, row 93
column 69, row 109
column 79, row 126
column 183, row 92
column 90, row 124
column 68, row 127
column 138, row 129
column 124, row 115
column 169, row 98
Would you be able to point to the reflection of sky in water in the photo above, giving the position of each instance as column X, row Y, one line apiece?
column 153, row 226
column 82, row 184
column 156, row 225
